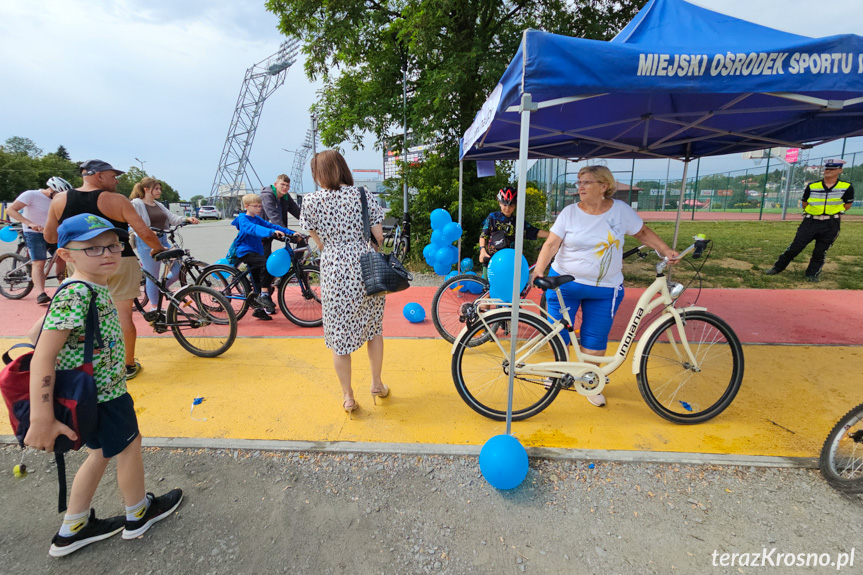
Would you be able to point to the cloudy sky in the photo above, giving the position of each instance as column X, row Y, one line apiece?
column 158, row 80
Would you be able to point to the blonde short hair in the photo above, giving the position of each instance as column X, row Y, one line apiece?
column 250, row 199
column 604, row 176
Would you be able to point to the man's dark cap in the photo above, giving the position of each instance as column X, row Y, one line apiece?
column 91, row 167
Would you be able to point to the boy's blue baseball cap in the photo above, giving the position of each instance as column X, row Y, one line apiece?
column 84, row 227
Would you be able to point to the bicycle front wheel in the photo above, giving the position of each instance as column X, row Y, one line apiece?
column 841, row 460
column 202, row 321
column 481, row 372
column 15, row 280
column 453, row 300
column 682, row 392
column 300, row 296
column 228, row 281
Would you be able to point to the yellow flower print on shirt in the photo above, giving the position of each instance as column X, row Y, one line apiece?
column 605, row 251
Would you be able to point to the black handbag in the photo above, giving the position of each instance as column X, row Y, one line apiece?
column 382, row 273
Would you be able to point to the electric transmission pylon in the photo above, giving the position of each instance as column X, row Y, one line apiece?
column 261, row 80
column 300, row 157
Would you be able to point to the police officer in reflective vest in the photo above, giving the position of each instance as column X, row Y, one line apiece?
column 823, row 204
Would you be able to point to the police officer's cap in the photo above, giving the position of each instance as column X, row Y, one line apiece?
column 834, row 164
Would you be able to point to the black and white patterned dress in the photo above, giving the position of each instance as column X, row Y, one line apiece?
column 351, row 318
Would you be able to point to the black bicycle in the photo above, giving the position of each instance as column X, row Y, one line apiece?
column 299, row 290
column 190, row 268
column 200, row 318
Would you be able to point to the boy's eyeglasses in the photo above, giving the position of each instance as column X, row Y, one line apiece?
column 96, row 251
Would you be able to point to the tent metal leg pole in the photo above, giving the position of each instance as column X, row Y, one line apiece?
column 460, row 183
column 526, row 107
column 680, row 202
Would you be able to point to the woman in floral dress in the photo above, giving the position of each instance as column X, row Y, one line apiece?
column 333, row 217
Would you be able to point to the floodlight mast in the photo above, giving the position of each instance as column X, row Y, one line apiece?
column 261, row 80
column 300, row 156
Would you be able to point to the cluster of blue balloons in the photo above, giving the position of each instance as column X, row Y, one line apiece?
column 8, row 234
column 440, row 254
column 503, row 462
column 501, row 274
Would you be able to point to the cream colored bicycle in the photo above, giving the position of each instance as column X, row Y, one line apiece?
column 688, row 362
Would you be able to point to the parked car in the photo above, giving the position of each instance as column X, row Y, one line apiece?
column 209, row 212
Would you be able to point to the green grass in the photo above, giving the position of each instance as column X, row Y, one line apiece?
column 743, row 250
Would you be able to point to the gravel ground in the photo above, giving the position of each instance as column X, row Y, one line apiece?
column 300, row 512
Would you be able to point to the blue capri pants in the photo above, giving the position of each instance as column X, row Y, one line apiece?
column 598, row 308
column 152, row 267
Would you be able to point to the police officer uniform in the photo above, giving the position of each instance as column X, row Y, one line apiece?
column 823, row 206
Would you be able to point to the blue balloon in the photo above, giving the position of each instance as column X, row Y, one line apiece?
column 414, row 312
column 7, row 234
column 279, row 263
column 503, row 462
column 501, row 272
column 453, row 255
column 429, row 252
column 452, row 231
column 443, row 256
column 474, row 287
column 442, row 269
column 451, row 274
column 437, row 239
column 440, row 218
column 466, row 265
column 223, row 262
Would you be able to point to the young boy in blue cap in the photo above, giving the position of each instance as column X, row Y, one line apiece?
column 94, row 247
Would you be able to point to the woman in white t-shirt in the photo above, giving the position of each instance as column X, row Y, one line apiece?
column 586, row 241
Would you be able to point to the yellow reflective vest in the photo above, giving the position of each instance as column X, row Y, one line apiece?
column 823, row 202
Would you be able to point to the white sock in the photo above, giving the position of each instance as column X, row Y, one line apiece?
column 72, row 524
column 137, row 511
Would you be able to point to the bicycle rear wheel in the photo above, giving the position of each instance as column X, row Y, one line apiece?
column 481, row 372
column 202, row 321
column 841, row 460
column 230, row 283
column 15, row 279
column 190, row 271
column 453, row 300
column 684, row 393
column 300, row 296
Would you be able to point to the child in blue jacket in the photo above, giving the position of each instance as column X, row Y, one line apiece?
column 250, row 250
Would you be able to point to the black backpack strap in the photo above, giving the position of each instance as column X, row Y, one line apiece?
column 367, row 229
column 7, row 359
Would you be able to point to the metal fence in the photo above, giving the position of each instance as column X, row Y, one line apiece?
column 771, row 186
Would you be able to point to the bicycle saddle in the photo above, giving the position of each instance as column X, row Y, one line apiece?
column 169, row 254
column 552, row 282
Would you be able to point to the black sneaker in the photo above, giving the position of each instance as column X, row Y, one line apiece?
column 771, row 272
column 95, row 530
column 160, row 508
column 261, row 314
column 43, row 299
column 266, row 302
column 132, row 371
column 814, row 279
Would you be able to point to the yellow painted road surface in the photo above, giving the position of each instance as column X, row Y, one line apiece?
column 286, row 389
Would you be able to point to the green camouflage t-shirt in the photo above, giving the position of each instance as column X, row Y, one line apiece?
column 68, row 311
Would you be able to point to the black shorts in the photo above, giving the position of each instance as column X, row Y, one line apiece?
column 117, row 427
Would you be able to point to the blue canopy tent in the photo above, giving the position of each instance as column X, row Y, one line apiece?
column 679, row 81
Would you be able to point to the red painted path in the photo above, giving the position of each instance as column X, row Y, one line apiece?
column 820, row 317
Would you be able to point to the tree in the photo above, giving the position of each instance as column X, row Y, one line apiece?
column 127, row 181
column 195, row 199
column 20, row 172
column 453, row 51
column 62, row 152
column 24, row 146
